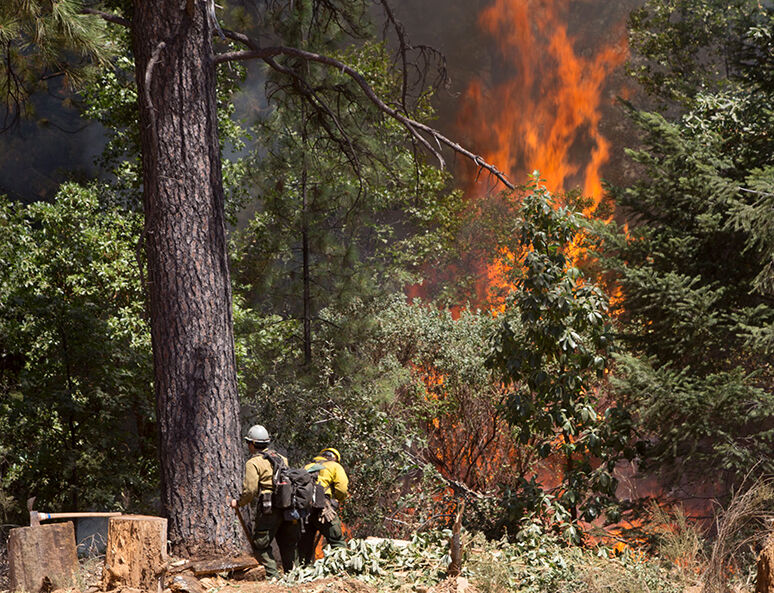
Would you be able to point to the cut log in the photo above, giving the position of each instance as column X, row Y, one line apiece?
column 212, row 566
column 42, row 555
column 136, row 554
column 764, row 583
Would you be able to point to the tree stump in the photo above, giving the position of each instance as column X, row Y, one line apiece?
column 42, row 555
column 764, row 583
column 136, row 554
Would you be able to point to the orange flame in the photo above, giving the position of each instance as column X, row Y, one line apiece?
column 547, row 116
column 474, row 447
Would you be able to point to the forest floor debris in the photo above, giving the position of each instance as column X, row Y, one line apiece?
column 539, row 565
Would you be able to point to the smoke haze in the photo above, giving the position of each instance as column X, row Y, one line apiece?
column 38, row 155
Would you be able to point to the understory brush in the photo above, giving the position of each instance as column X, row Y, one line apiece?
column 538, row 563
column 743, row 528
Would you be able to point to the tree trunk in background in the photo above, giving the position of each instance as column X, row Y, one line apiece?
column 306, row 277
column 189, row 285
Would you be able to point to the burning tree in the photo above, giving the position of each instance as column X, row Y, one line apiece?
column 553, row 341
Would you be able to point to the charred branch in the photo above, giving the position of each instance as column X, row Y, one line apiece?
column 420, row 65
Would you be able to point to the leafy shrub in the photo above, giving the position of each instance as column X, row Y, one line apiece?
column 75, row 363
column 538, row 563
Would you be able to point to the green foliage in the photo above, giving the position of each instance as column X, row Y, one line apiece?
column 425, row 556
column 719, row 420
column 695, row 266
column 41, row 40
column 752, row 217
column 536, row 564
column 552, row 342
column 363, row 395
column 359, row 210
column 75, row 354
column 683, row 46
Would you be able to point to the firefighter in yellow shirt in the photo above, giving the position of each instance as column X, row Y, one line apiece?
column 270, row 523
column 333, row 478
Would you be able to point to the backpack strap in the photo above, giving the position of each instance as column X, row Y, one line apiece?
column 276, row 461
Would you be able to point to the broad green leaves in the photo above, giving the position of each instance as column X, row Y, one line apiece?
column 553, row 342
column 75, row 347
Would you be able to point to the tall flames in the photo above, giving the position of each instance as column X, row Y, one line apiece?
column 540, row 109
column 545, row 113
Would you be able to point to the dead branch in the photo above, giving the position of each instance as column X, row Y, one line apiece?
column 414, row 127
column 107, row 16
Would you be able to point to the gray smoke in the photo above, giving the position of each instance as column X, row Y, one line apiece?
column 58, row 145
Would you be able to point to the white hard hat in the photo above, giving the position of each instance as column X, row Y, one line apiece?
column 258, row 434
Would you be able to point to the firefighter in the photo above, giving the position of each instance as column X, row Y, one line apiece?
column 333, row 478
column 270, row 523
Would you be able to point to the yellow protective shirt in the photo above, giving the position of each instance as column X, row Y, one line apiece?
column 258, row 478
column 332, row 476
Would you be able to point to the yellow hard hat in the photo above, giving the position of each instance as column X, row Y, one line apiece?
column 336, row 454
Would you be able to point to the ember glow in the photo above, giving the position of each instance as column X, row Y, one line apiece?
column 546, row 115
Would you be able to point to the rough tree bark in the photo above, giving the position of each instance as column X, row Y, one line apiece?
column 42, row 556
column 189, row 285
column 764, row 583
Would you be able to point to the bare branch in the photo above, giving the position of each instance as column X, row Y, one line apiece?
column 148, row 98
column 414, row 127
column 403, row 48
column 317, row 102
column 107, row 16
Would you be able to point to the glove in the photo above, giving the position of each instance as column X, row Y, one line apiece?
column 327, row 515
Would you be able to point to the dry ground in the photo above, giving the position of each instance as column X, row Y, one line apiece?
column 90, row 576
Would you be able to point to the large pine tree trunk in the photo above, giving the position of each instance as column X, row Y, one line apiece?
column 190, row 294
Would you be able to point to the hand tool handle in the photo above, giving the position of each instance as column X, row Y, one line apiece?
column 244, row 527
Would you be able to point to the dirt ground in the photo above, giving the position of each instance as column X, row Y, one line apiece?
column 337, row 585
column 90, row 574
column 328, row 585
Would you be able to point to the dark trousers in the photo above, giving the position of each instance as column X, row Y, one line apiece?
column 269, row 526
column 330, row 530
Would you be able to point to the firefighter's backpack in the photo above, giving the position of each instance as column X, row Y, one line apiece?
column 296, row 490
